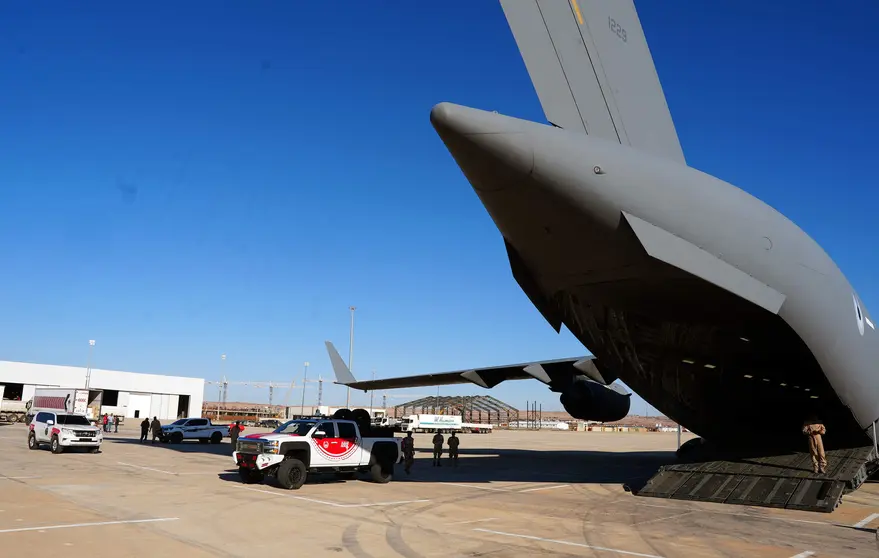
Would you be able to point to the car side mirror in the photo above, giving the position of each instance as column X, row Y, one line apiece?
column 50, row 422
column 319, row 434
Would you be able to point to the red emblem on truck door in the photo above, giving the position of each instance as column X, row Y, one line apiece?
column 336, row 449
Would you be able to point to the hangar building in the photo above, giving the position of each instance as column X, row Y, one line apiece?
column 128, row 394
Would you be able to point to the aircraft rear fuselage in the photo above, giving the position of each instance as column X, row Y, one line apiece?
column 711, row 305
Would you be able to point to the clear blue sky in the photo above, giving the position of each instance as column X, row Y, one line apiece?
column 180, row 181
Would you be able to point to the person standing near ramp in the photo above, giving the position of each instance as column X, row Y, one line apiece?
column 234, row 431
column 437, row 448
column 408, row 447
column 453, row 449
column 814, row 429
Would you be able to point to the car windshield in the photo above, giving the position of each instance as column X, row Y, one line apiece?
column 179, row 422
column 299, row 427
column 73, row 420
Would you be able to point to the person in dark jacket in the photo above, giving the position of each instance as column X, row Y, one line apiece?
column 144, row 430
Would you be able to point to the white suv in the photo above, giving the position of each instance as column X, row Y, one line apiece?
column 63, row 430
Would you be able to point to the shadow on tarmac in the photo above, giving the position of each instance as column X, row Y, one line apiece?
column 483, row 465
column 633, row 469
column 224, row 449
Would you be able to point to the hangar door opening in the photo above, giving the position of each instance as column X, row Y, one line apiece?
column 183, row 406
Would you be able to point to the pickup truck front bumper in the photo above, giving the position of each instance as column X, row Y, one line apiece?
column 254, row 461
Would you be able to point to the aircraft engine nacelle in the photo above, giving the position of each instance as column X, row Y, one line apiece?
column 593, row 401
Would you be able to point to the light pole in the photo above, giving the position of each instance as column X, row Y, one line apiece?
column 222, row 394
column 350, row 355
column 88, row 370
column 371, row 392
column 304, row 379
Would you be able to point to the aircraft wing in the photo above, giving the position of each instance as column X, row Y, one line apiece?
column 546, row 371
column 593, row 72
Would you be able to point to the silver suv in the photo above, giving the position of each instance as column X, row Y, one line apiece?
column 62, row 431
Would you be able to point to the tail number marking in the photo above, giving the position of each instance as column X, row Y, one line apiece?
column 617, row 29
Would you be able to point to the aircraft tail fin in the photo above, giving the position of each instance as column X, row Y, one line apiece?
column 340, row 369
column 593, row 72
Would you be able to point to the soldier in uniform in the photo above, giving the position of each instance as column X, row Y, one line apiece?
column 814, row 429
column 156, row 428
column 437, row 448
column 144, row 429
column 408, row 447
column 453, row 449
column 234, row 431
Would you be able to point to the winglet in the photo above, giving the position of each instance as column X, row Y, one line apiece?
column 343, row 375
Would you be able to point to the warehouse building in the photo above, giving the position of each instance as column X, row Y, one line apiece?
column 128, row 394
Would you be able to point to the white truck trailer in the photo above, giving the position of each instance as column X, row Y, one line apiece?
column 76, row 401
column 12, row 410
column 431, row 423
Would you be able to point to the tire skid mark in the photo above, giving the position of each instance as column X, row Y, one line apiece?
column 394, row 536
column 352, row 544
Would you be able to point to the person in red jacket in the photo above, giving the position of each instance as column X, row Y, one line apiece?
column 234, row 431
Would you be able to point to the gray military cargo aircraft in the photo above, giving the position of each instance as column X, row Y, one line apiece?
column 710, row 304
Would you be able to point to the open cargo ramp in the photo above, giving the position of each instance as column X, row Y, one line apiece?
column 778, row 481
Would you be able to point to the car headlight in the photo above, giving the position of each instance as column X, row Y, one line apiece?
column 67, row 431
column 271, row 446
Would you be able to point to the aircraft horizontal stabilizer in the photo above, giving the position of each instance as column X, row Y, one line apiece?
column 688, row 257
column 483, row 377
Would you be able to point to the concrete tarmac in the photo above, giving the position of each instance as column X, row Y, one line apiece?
column 513, row 493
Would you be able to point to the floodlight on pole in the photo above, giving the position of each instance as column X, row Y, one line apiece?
column 304, row 379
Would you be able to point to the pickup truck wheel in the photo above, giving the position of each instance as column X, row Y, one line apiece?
column 95, row 450
column 291, row 474
column 32, row 441
column 176, row 438
column 216, row 438
column 249, row 476
column 379, row 476
column 56, row 445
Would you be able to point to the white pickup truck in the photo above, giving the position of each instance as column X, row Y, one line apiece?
column 303, row 446
column 199, row 429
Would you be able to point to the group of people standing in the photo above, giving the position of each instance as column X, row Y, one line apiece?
column 110, row 422
column 408, row 447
